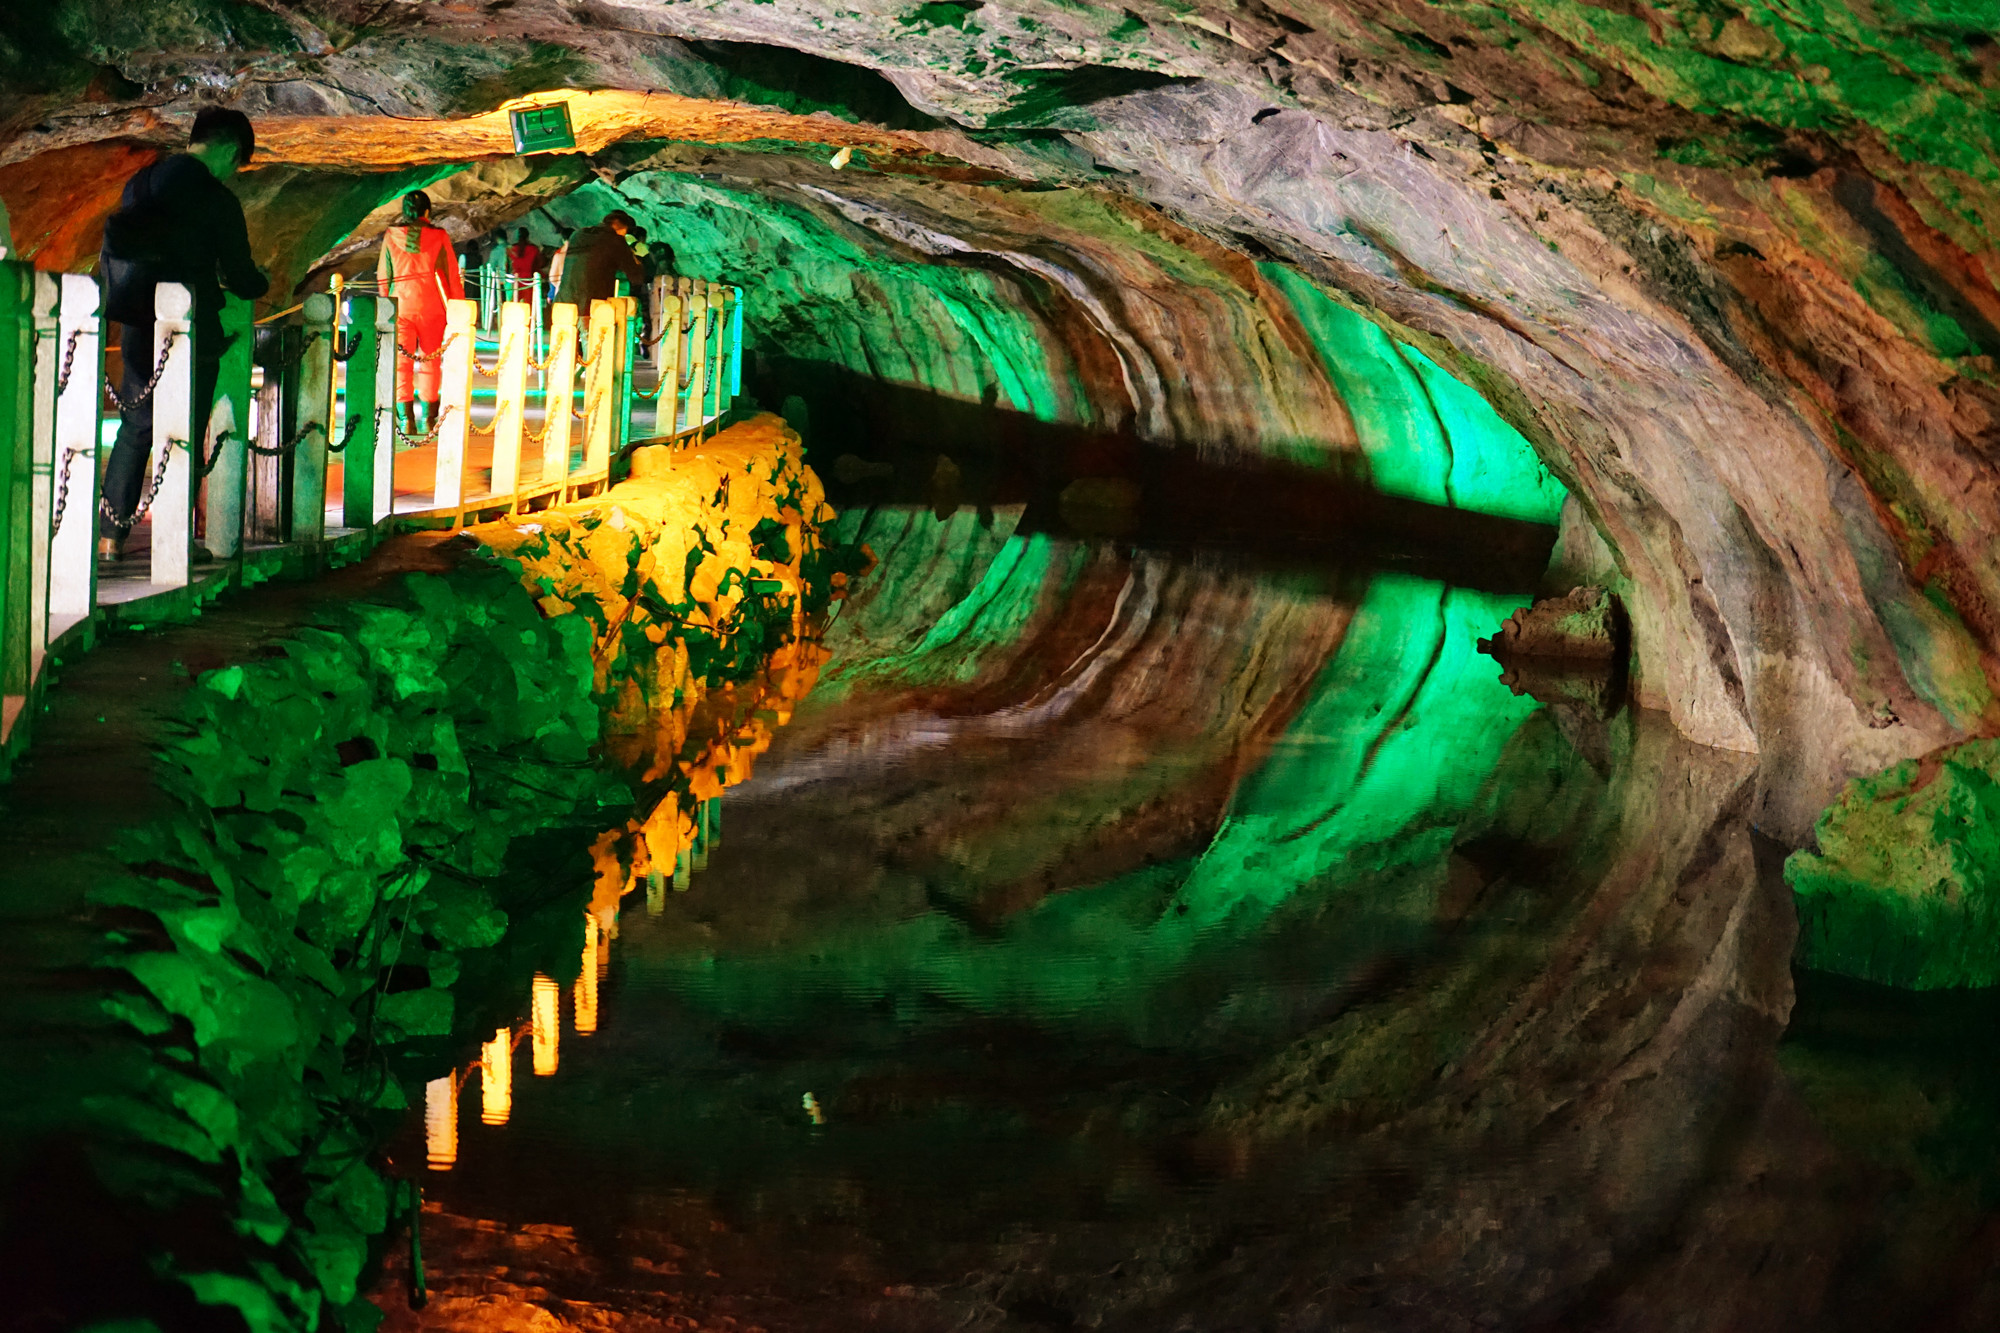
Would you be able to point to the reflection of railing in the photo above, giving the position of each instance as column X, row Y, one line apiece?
column 321, row 389
column 665, row 848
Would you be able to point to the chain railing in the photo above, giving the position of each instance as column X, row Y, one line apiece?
column 317, row 451
column 166, row 353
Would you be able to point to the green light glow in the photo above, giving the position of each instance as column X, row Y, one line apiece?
column 1403, row 726
column 1427, row 436
column 1353, row 812
column 814, row 294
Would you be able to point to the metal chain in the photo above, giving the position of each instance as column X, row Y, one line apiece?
column 414, row 439
column 498, row 361
column 145, row 496
column 430, row 356
column 68, row 361
column 216, row 457
column 62, row 488
column 166, row 354
column 346, row 437
column 288, row 446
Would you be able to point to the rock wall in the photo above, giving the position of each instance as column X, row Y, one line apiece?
column 1729, row 269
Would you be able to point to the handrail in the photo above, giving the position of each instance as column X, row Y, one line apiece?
column 325, row 410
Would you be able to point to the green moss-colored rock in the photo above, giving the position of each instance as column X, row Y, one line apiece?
column 1905, row 889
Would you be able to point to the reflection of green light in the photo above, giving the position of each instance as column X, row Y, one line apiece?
column 998, row 608
column 1357, row 803
column 1427, row 436
column 1404, row 725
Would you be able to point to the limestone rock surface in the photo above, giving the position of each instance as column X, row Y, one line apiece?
column 1731, row 273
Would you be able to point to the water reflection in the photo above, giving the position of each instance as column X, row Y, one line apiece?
column 496, row 1078
column 1288, row 971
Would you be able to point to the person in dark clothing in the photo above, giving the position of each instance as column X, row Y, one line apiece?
column 176, row 222
column 657, row 257
column 592, row 261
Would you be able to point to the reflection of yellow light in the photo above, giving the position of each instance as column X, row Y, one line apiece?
column 441, row 1121
column 547, row 1017
column 496, row 1078
column 586, row 980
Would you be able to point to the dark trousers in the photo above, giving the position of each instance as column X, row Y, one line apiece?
column 132, row 454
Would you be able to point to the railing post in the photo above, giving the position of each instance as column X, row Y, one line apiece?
column 668, row 422
column 226, row 482
column 17, row 423
column 660, row 288
column 72, row 557
column 174, row 443
column 698, row 351
column 718, row 362
column 510, row 399
column 735, row 343
column 357, row 477
column 384, row 370
column 538, row 316
column 558, row 393
column 455, row 398
column 627, row 343
column 42, row 479
column 600, row 379
column 316, row 422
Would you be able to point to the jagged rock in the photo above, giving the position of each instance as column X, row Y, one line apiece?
column 1580, row 626
column 1904, row 889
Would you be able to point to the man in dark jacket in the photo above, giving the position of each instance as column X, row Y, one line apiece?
column 592, row 261
column 176, row 222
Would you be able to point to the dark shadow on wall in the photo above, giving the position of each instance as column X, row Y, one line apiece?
column 875, row 443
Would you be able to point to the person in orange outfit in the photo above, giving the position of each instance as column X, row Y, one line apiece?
column 419, row 269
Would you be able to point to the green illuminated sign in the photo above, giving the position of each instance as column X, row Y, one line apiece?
column 542, row 129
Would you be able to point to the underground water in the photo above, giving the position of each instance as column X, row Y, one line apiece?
column 1196, row 666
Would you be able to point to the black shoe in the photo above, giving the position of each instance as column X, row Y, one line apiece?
column 201, row 555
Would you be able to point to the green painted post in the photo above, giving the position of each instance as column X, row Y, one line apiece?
column 735, row 343
column 316, row 424
column 223, row 532
column 17, row 429
column 42, row 461
column 73, row 562
column 357, row 492
column 624, row 383
column 420, row 1292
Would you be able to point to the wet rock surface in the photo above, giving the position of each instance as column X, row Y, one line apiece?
column 1580, row 626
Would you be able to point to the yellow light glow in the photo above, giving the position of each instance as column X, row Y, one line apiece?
column 441, row 1122
column 496, row 1078
column 547, row 1021
column 586, row 980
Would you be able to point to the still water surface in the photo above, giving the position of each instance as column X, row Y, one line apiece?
column 1135, row 941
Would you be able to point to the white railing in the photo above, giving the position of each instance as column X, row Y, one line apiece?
column 260, row 473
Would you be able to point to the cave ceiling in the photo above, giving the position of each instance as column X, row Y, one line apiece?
column 1728, row 267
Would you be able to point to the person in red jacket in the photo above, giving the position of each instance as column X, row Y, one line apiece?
column 524, row 260
column 419, row 269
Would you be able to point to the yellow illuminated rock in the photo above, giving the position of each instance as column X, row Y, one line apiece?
column 672, row 569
